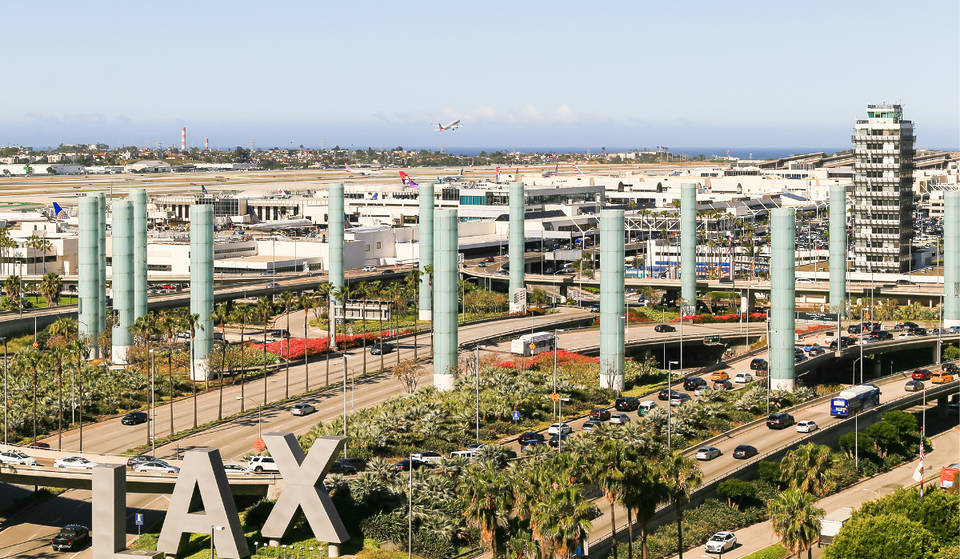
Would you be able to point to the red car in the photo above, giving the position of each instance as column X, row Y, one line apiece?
column 600, row 414
column 921, row 374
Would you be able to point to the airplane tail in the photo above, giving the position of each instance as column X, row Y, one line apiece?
column 203, row 190
column 403, row 178
column 253, row 215
column 281, row 191
column 347, row 167
column 577, row 169
column 59, row 212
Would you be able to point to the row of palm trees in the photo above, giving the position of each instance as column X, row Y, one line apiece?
column 34, row 241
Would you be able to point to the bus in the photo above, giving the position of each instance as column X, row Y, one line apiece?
column 532, row 344
column 856, row 399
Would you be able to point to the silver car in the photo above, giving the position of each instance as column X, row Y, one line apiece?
column 302, row 408
column 708, row 453
column 157, row 466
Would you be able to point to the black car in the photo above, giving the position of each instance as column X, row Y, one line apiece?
column 779, row 420
column 627, row 403
column 530, row 438
column 744, row 451
column 951, row 368
column 381, row 348
column 71, row 537
column 666, row 394
column 798, row 357
column 815, row 350
column 140, row 459
column 882, row 335
column 664, row 328
column 135, row 418
column 758, row 364
column 855, row 329
column 905, row 326
column 556, row 438
column 348, row 466
column 723, row 384
column 917, row 331
column 405, row 465
column 693, row 383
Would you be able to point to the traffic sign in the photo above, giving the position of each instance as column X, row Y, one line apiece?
column 711, row 340
column 516, row 415
column 138, row 519
column 259, row 445
column 555, row 397
column 532, row 346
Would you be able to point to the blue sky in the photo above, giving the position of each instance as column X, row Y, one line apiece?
column 681, row 73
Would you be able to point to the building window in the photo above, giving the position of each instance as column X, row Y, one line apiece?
column 379, row 245
column 366, row 248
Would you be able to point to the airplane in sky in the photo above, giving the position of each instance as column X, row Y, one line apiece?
column 256, row 224
column 452, row 126
column 361, row 172
column 406, row 180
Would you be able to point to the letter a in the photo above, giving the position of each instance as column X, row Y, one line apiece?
column 203, row 469
column 303, row 487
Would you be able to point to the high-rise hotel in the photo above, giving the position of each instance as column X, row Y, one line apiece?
column 883, row 190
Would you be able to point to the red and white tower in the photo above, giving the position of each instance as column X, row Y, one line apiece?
column 183, row 139
column 206, row 144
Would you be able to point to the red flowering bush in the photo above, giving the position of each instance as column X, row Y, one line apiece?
column 294, row 348
column 563, row 357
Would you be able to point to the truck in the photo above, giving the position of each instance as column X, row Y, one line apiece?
column 831, row 524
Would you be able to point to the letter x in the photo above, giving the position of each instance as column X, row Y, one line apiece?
column 303, row 487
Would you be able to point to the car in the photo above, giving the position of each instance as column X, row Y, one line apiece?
column 723, row 385
column 918, row 331
column 921, row 374
column 951, row 368
column 719, row 375
column 627, row 403
column 882, row 335
column 664, row 328
column 532, row 446
column 556, row 440
column 78, row 462
column 666, row 393
column 381, row 348
column 273, row 285
column 904, row 326
column 407, row 464
column 942, row 377
column 503, row 272
column 743, row 378
column 481, row 264
column 260, row 464
column 17, row 457
column 280, row 333
column 559, row 428
column 816, row 350
column 679, row 398
column 693, row 383
column 387, row 271
column 591, row 425
column 807, row 426
column 158, row 466
column 302, row 408
column 71, row 537
column 368, row 269
column 913, row 385
column 232, row 468
column 758, row 364
column 348, row 466
column 140, row 459
column 619, row 419
column 708, row 453
column 600, row 414
column 39, row 445
column 720, row 542
column 488, row 259
column 779, row 420
column 428, row 457
column 744, row 451
column 645, row 407
column 855, row 328
column 798, row 357
column 135, row 418
column 529, row 438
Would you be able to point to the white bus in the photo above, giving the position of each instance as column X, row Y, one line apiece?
column 532, row 344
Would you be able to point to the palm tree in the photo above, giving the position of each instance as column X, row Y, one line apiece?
column 562, row 518
column 306, row 301
column 11, row 288
column 44, row 245
column 244, row 314
column 5, row 244
column 680, row 477
column 33, row 241
column 34, row 359
column 58, row 353
column 49, row 288
column 375, row 289
column 643, row 492
column 796, row 520
column 429, row 271
column 605, row 471
column 486, row 497
column 286, row 298
column 170, row 326
column 264, row 309
column 143, row 329
column 413, row 283
column 811, row 468
column 79, row 349
column 323, row 292
column 221, row 315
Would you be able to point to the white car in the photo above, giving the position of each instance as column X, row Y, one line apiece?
column 743, row 378
column 428, row 457
column 807, row 426
column 17, row 457
column 368, row 269
column 721, row 542
column 302, row 408
column 158, row 466
column 708, row 453
column 260, row 464
column 619, row 419
column 74, row 462
column 558, row 428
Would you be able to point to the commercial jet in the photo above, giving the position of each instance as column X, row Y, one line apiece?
column 452, row 126
column 256, row 224
column 361, row 172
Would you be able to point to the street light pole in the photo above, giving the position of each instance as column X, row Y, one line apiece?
column 344, row 355
column 410, row 510
column 152, row 424
column 478, row 392
column 212, row 530
column 669, row 397
column 5, row 401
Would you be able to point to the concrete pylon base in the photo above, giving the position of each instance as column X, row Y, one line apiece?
column 616, row 383
column 444, row 382
column 201, row 370
column 118, row 354
column 333, row 550
column 426, row 314
column 782, row 384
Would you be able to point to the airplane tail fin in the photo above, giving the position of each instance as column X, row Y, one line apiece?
column 253, row 215
column 59, row 212
column 403, row 178
column 203, row 190
column 347, row 167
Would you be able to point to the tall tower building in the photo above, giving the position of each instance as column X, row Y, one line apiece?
column 883, row 190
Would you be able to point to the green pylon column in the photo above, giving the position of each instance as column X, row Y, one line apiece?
column 425, row 238
column 838, row 248
column 102, row 262
column 782, row 298
column 612, row 322
column 121, row 259
column 335, row 248
column 445, row 300
column 138, row 197
column 688, row 247
column 88, row 271
column 516, row 244
column 951, row 258
column 201, row 287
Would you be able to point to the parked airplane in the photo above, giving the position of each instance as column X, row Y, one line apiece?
column 577, row 169
column 452, row 126
column 361, row 172
column 448, row 178
column 256, row 224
